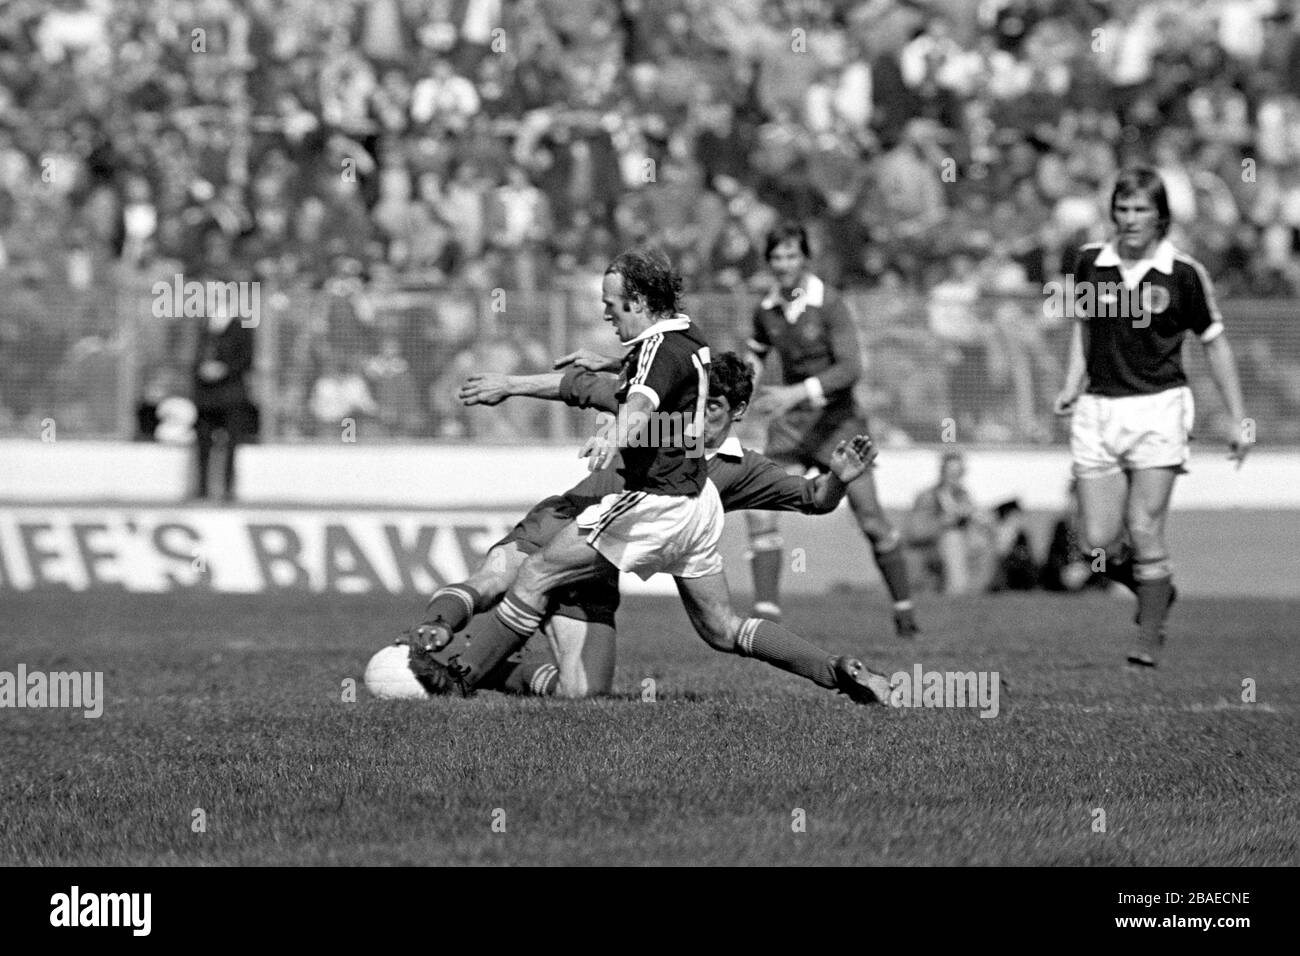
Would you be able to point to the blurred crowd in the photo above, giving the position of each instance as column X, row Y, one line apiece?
column 947, row 152
column 481, row 143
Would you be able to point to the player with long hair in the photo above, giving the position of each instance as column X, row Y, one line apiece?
column 1131, row 410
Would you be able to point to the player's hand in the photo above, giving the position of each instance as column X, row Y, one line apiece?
column 485, row 388
column 1064, row 403
column 590, row 360
column 1239, row 442
column 853, row 457
column 601, row 448
column 599, row 452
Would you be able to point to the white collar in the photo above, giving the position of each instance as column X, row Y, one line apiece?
column 731, row 448
column 1162, row 260
column 813, row 292
column 678, row 323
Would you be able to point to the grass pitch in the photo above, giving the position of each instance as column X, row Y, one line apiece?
column 234, row 706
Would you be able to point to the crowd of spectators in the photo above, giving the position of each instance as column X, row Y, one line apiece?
column 946, row 148
column 478, row 141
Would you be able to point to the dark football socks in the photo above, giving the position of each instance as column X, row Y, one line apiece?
column 454, row 605
column 893, row 568
column 775, row 645
column 765, row 562
column 1154, row 586
column 538, row 679
column 497, row 636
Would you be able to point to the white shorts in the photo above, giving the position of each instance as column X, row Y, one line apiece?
column 646, row 533
column 1110, row 435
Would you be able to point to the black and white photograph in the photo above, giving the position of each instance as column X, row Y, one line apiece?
column 651, row 433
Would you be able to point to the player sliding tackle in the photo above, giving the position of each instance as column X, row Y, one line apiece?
column 668, row 518
column 581, row 628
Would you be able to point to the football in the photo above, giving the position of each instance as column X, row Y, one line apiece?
column 389, row 676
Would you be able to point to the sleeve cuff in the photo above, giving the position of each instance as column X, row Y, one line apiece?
column 566, row 386
column 1212, row 333
column 813, row 386
column 647, row 391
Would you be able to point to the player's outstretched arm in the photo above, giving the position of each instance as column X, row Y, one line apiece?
column 492, row 388
column 1223, row 369
column 590, row 360
column 849, row 461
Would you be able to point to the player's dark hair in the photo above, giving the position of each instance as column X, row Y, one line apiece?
column 731, row 377
column 1146, row 182
column 649, row 273
column 784, row 233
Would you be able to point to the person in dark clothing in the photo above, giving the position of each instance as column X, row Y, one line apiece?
column 221, row 364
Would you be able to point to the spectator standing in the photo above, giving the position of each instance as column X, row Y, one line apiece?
column 221, row 364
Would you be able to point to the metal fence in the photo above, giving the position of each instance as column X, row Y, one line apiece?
column 390, row 362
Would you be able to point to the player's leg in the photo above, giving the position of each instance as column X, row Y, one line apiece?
column 765, row 560
column 783, row 444
column 453, row 605
column 580, row 632
column 584, row 653
column 1148, row 505
column 707, row 600
column 579, row 663
column 1102, row 502
column 954, row 557
column 566, row 559
column 1099, row 445
column 886, row 547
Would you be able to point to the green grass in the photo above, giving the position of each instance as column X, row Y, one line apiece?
column 234, row 706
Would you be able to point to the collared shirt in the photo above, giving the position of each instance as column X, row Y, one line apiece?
column 744, row 478
column 1136, row 317
column 816, row 338
column 668, row 363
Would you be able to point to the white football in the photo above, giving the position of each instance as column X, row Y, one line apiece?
column 389, row 677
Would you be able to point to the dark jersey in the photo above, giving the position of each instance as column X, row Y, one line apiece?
column 583, row 389
column 1133, row 334
column 745, row 481
column 669, row 364
column 816, row 338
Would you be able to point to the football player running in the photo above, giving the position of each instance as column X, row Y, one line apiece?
column 810, row 328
